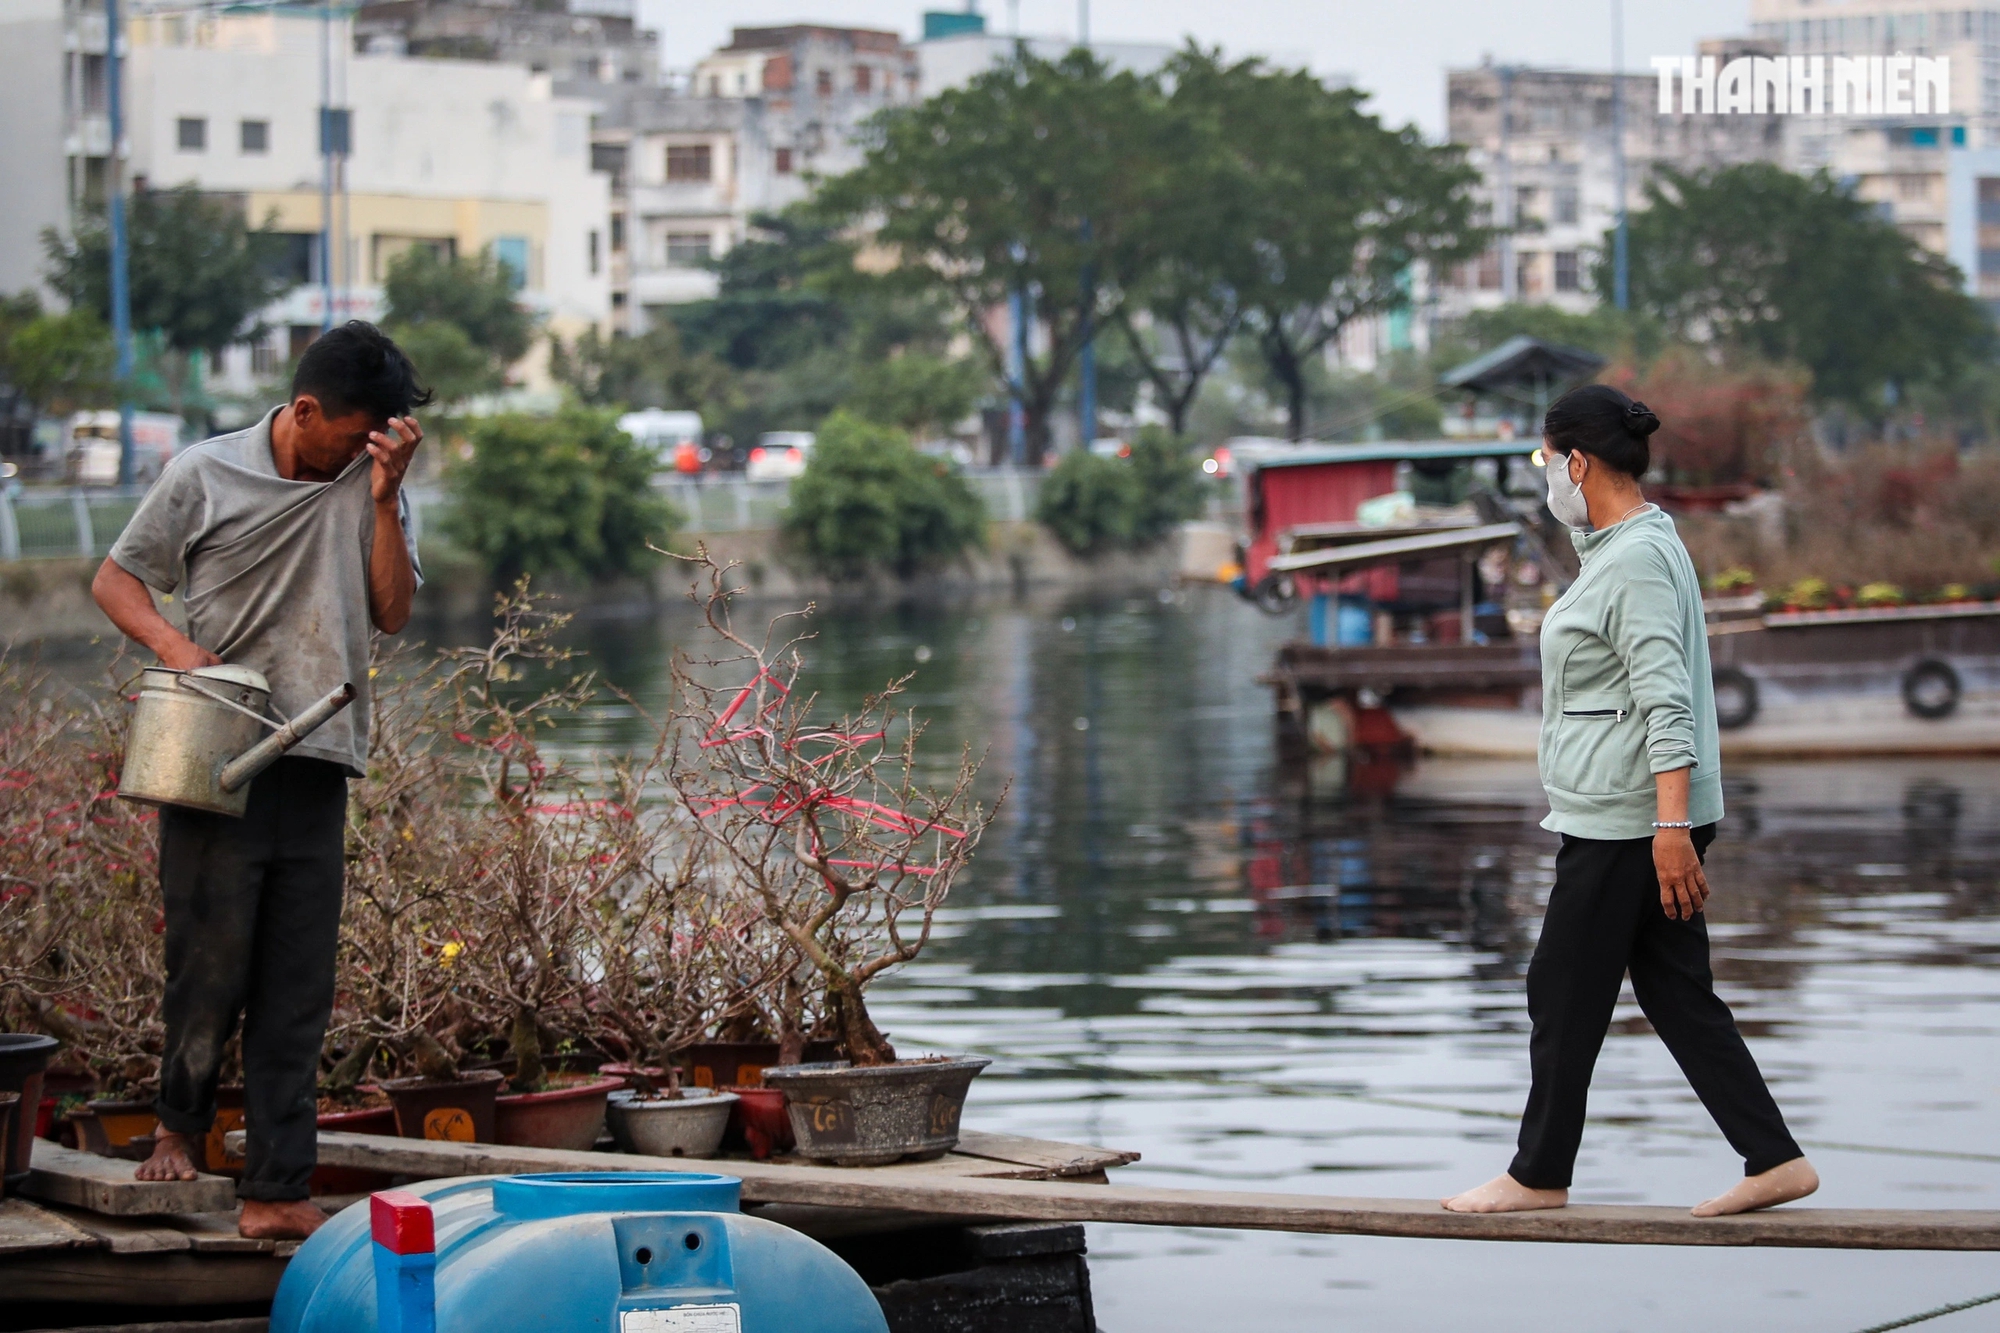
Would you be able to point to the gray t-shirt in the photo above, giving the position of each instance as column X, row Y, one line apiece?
column 273, row 574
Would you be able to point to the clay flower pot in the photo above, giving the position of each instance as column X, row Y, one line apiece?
column 687, row 1126
column 458, row 1110
column 114, row 1126
column 10, row 1108
column 569, row 1114
column 760, row 1123
column 733, row 1064
column 867, row 1115
column 23, row 1058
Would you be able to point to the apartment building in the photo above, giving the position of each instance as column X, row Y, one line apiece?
column 450, row 155
column 1545, row 146
column 597, row 41
column 755, row 123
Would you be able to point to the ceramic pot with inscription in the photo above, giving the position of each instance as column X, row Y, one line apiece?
column 869, row 1115
column 458, row 1110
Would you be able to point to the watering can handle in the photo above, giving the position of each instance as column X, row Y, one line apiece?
column 264, row 753
column 187, row 682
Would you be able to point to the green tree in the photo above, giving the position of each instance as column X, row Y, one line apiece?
column 55, row 363
column 868, row 502
column 569, row 494
column 1339, row 208
column 1795, row 268
column 1034, row 179
column 461, row 313
column 199, row 273
column 916, row 392
column 651, row 370
column 1093, row 504
column 778, row 294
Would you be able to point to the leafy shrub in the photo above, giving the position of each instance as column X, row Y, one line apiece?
column 1093, row 504
column 568, row 494
column 869, row 501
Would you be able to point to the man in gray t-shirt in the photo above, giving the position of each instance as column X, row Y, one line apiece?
column 288, row 545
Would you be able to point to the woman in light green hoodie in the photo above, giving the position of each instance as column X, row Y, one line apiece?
column 1631, row 761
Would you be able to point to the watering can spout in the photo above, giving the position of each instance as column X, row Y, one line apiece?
column 264, row 753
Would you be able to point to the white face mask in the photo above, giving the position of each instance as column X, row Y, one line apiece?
column 1566, row 500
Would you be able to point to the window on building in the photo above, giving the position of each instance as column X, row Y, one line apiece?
column 609, row 158
column 1565, row 205
column 617, row 233
column 94, row 89
column 1913, row 186
column 1989, row 201
column 388, row 248
column 254, row 136
column 1524, row 202
column 1489, row 271
column 690, row 162
column 1567, row 276
column 191, row 132
column 823, row 83
column 687, row 248
column 264, row 359
column 864, row 79
column 594, row 260
column 782, row 161
column 291, row 257
column 512, row 254
column 1527, row 274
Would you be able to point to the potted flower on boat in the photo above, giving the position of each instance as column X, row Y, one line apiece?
column 830, row 831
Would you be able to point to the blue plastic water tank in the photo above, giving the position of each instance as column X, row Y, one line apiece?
column 665, row 1252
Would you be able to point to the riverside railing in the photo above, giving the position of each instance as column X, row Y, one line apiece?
column 38, row 522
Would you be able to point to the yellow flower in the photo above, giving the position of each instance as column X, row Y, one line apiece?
column 450, row 952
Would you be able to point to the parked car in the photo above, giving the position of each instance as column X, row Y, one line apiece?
column 91, row 448
column 779, row 455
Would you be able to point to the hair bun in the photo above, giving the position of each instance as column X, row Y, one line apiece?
column 1640, row 420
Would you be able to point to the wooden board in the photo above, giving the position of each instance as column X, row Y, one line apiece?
column 158, row 1282
column 106, row 1185
column 28, row 1229
column 1058, row 1160
column 1069, row 1201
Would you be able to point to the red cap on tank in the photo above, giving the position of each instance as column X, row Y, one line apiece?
column 401, row 1222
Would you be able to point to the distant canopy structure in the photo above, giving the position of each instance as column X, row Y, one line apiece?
column 1525, row 370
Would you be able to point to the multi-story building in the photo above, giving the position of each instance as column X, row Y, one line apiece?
column 1543, row 141
column 57, row 136
column 756, row 122
column 1900, row 163
column 591, row 40
column 452, row 155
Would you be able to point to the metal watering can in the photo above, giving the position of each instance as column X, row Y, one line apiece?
column 195, row 736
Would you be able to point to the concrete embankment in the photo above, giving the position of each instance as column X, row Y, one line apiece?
column 50, row 599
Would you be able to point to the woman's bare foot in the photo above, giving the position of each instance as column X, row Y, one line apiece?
column 292, row 1219
column 1781, row 1184
column 172, row 1159
column 1504, row 1194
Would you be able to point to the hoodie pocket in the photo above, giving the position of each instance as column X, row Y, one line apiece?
column 1600, row 746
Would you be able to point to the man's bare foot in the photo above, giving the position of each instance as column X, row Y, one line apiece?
column 1504, row 1194
column 172, row 1159
column 1781, row 1184
column 292, row 1219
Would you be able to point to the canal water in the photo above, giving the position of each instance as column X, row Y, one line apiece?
column 1312, row 980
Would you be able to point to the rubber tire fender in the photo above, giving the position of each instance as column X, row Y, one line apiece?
column 1731, row 681
column 1937, row 674
column 1275, row 594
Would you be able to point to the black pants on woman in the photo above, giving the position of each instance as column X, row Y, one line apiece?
column 253, row 920
column 1604, row 919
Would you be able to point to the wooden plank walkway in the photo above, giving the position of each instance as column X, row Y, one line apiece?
column 107, row 1185
column 957, row 1186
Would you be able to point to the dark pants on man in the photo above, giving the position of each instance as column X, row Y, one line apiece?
column 253, row 920
column 1604, row 918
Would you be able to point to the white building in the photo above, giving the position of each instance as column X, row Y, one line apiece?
column 453, row 155
column 54, row 135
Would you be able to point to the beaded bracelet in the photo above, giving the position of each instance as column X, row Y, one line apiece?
column 1673, row 823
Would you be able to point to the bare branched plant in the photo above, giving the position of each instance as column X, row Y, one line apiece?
column 81, row 953
column 830, row 829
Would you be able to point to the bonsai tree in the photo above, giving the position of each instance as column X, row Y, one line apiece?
column 827, row 828
column 473, row 861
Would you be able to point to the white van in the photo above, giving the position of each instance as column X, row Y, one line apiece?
column 90, row 446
